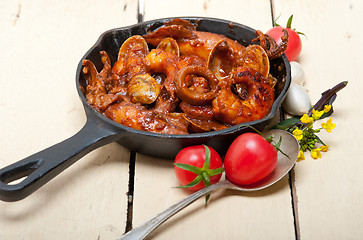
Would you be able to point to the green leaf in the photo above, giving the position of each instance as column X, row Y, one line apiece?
column 275, row 22
column 301, row 33
column 289, row 22
column 207, row 199
column 288, row 123
column 206, row 179
column 213, row 172
column 189, row 168
column 270, row 138
column 193, row 183
column 206, row 164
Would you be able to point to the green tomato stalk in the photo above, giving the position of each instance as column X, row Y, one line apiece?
column 288, row 24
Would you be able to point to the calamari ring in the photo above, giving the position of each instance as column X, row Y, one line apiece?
column 193, row 97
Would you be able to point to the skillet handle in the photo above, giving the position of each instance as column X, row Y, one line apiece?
column 41, row 167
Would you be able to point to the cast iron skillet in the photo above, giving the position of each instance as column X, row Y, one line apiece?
column 38, row 169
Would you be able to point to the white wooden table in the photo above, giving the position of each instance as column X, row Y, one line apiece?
column 41, row 43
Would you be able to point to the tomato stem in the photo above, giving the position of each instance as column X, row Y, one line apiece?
column 270, row 140
column 207, row 158
column 288, row 24
column 253, row 128
column 289, row 21
column 275, row 21
column 277, row 147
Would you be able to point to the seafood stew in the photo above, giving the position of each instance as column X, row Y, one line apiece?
column 178, row 79
column 36, row 170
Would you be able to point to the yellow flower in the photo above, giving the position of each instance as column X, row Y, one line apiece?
column 301, row 156
column 298, row 134
column 306, row 119
column 324, row 148
column 327, row 108
column 315, row 153
column 317, row 114
column 328, row 126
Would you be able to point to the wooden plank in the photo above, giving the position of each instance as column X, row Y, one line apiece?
column 329, row 190
column 41, row 44
column 256, row 14
column 229, row 215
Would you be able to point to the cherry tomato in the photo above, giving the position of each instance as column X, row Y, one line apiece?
column 249, row 159
column 195, row 156
column 294, row 45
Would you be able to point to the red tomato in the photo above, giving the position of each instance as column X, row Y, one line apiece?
column 294, row 45
column 195, row 156
column 249, row 159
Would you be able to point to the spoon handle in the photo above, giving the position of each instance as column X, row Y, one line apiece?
column 145, row 229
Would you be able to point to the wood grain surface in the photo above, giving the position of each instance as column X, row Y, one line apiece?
column 41, row 43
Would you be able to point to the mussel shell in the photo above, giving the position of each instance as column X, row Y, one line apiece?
column 133, row 43
column 143, row 89
column 219, row 61
column 256, row 58
column 169, row 45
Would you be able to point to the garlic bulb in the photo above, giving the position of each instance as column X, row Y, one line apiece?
column 297, row 73
column 297, row 101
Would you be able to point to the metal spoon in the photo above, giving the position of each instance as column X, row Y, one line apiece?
column 289, row 146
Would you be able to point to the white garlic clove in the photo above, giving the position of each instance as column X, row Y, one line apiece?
column 297, row 73
column 297, row 101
